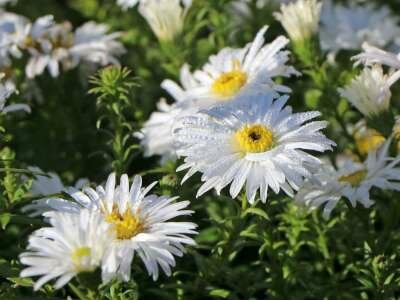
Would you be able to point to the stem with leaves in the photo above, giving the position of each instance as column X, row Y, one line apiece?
column 113, row 86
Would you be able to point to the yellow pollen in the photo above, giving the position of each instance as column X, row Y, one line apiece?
column 354, row 178
column 368, row 141
column 126, row 225
column 229, row 83
column 78, row 256
column 254, row 138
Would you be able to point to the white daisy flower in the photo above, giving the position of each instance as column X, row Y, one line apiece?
column 92, row 44
column 141, row 222
column 165, row 17
column 75, row 243
column 7, row 88
column 256, row 141
column 14, row 30
column 58, row 46
column 300, row 19
column 156, row 134
column 369, row 92
column 348, row 27
column 373, row 55
column 247, row 70
column 352, row 181
column 125, row 4
column 43, row 34
column 51, row 183
column 230, row 73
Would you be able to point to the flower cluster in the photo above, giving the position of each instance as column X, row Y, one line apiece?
column 54, row 46
column 105, row 228
column 245, row 120
column 227, row 75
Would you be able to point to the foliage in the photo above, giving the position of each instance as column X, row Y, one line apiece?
column 84, row 127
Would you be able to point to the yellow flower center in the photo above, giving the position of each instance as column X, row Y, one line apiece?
column 354, row 178
column 126, row 225
column 79, row 256
column 254, row 138
column 229, row 83
column 368, row 141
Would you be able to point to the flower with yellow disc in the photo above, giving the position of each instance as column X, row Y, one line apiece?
column 254, row 141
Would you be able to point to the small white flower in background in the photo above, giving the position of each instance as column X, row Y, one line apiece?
column 49, row 49
column 373, row 55
column 45, row 186
column 53, row 46
column 156, row 134
column 256, row 141
column 140, row 222
column 7, row 88
column 300, row 19
column 240, row 9
column 352, row 180
column 165, row 17
column 5, row 2
column 14, row 30
column 50, row 184
column 125, row 4
column 369, row 92
column 91, row 43
column 348, row 27
column 75, row 243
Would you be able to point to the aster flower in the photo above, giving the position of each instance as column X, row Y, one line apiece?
column 348, row 27
column 49, row 49
column 373, row 55
column 247, row 70
column 50, row 184
column 369, row 92
column 56, row 46
column 7, row 88
column 255, row 141
column 300, row 19
column 92, row 44
column 165, row 17
column 352, row 180
column 140, row 221
column 74, row 243
column 125, row 4
column 14, row 30
column 156, row 134
column 230, row 73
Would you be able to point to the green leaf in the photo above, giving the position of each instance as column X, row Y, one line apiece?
column 5, row 220
column 220, row 293
column 256, row 211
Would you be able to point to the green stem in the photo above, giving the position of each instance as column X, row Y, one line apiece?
column 78, row 292
column 244, row 202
